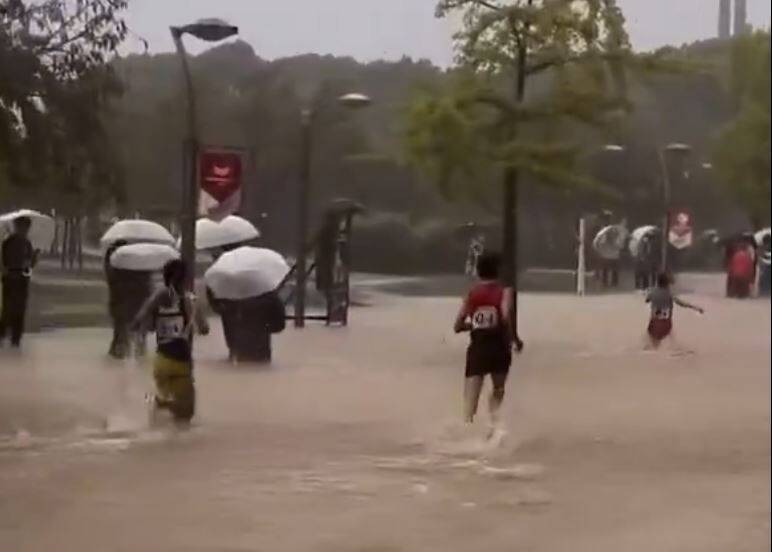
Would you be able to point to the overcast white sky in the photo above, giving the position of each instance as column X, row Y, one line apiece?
column 372, row 29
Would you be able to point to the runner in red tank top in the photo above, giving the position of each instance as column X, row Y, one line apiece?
column 485, row 314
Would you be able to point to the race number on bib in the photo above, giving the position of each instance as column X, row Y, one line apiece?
column 170, row 327
column 662, row 314
column 485, row 318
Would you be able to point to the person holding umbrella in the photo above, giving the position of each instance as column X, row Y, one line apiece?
column 765, row 266
column 228, row 313
column 249, row 323
column 128, row 290
column 18, row 260
column 644, row 247
column 222, row 237
column 173, row 315
column 129, row 269
column 242, row 286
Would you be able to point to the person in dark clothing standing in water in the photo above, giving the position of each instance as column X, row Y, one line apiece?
column 18, row 258
column 174, row 316
column 485, row 313
column 248, row 324
column 128, row 290
column 228, row 314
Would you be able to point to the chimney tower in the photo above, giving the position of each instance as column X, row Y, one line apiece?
column 724, row 19
column 740, row 17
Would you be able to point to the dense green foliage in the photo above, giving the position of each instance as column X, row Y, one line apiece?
column 488, row 118
column 109, row 137
column 743, row 150
column 53, row 83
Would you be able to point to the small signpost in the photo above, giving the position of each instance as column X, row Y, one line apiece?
column 331, row 265
column 338, row 295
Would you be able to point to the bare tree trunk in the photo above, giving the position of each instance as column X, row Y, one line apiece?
column 511, row 200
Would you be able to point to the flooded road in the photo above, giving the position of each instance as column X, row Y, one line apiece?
column 350, row 442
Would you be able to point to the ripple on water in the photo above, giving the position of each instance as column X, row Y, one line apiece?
column 116, row 435
column 525, row 472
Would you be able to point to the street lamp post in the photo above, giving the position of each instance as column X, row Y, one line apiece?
column 305, row 185
column 210, row 30
column 351, row 101
column 674, row 148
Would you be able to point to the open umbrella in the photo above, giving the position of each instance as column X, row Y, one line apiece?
column 229, row 231
column 637, row 236
column 344, row 205
column 759, row 236
column 137, row 231
column 41, row 232
column 145, row 257
column 610, row 241
column 246, row 272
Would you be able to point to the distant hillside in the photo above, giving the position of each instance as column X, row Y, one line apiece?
column 246, row 101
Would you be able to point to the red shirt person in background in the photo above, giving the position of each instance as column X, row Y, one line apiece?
column 741, row 272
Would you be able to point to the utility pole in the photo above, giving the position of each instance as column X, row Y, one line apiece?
column 740, row 17
column 305, row 185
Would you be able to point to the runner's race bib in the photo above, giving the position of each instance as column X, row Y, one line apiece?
column 485, row 318
column 662, row 314
column 170, row 327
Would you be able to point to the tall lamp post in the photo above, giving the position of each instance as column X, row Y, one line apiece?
column 351, row 101
column 662, row 153
column 209, row 30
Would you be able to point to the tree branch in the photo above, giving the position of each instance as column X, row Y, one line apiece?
column 563, row 61
column 488, row 5
column 59, row 46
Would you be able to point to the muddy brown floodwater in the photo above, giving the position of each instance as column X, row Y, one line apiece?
column 351, row 441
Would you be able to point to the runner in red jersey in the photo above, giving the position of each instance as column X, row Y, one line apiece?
column 485, row 314
column 661, row 299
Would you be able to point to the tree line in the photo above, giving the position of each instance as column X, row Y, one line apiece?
column 89, row 133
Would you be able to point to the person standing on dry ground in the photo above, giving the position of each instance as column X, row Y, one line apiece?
column 18, row 260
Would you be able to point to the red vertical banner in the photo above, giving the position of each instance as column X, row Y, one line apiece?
column 220, row 174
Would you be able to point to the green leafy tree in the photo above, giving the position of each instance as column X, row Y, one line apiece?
column 742, row 155
column 53, row 81
column 577, row 47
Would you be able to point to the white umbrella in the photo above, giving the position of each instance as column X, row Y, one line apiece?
column 146, row 257
column 240, row 228
column 610, row 241
column 759, row 236
column 137, row 231
column 637, row 235
column 41, row 232
column 246, row 272
column 231, row 230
